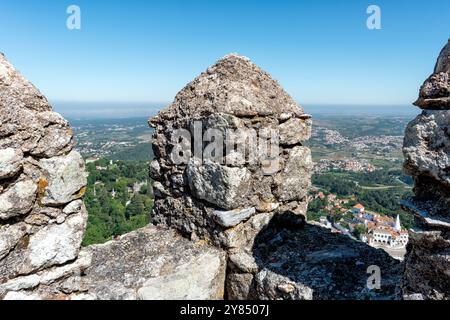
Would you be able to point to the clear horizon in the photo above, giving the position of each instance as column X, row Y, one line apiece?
column 123, row 110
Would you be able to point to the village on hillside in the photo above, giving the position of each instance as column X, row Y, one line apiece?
column 377, row 230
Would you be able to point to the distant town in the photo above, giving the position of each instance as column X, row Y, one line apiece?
column 358, row 180
column 375, row 229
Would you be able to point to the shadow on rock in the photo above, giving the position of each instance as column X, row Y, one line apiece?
column 297, row 260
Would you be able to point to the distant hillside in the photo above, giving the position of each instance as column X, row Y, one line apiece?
column 140, row 152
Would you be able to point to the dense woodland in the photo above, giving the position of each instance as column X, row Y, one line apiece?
column 118, row 199
column 119, row 196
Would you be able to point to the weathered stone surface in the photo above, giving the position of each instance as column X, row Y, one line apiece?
column 427, row 212
column 47, row 282
column 232, row 218
column 310, row 262
column 294, row 181
column 273, row 286
column 57, row 243
column 427, row 153
column 10, row 236
column 14, row 295
column 250, row 91
column 44, row 245
column 16, row 90
column 243, row 235
column 239, row 286
column 155, row 170
column 32, row 127
column 37, row 168
column 294, row 131
column 155, row 263
column 150, row 263
column 55, row 138
column 248, row 133
column 427, row 159
column 435, row 92
column 427, row 146
column 427, row 266
column 10, row 162
column 18, row 199
column 243, row 261
column 217, row 184
column 199, row 279
column 65, row 178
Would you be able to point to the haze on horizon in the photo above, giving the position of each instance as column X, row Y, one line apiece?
column 112, row 110
column 321, row 53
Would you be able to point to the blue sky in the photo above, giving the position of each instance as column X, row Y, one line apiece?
column 146, row 51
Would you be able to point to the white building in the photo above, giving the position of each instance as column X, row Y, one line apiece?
column 358, row 208
column 382, row 234
column 388, row 237
column 398, row 227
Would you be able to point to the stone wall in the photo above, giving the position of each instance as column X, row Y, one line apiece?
column 226, row 197
column 427, row 160
column 259, row 167
column 43, row 219
column 245, row 219
column 42, row 179
column 255, row 211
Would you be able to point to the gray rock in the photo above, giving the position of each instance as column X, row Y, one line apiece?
column 243, row 235
column 21, row 295
column 435, row 92
column 427, row 213
column 223, row 122
column 294, row 181
column 295, row 131
column 57, row 243
column 232, row 218
column 50, row 283
column 42, row 217
column 427, row 160
column 83, row 297
column 190, row 281
column 10, row 162
column 443, row 61
column 313, row 263
column 18, row 199
column 243, row 262
column 65, row 178
column 56, row 140
column 427, row 266
column 158, row 189
column 16, row 90
column 10, row 236
column 73, row 207
column 250, row 91
column 155, row 263
column 155, row 170
column 272, row 286
column 239, row 286
column 217, row 184
column 338, row 253
column 245, row 106
column 427, row 146
column 414, row 297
